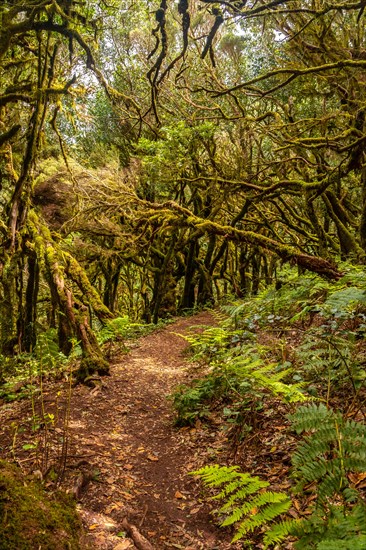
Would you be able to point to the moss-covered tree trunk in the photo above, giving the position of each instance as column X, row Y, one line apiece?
column 111, row 277
column 8, row 306
column 8, row 260
column 188, row 297
column 205, row 294
column 66, row 278
column 164, row 282
column 243, row 271
column 75, row 324
column 363, row 212
column 347, row 240
column 30, row 308
column 256, row 269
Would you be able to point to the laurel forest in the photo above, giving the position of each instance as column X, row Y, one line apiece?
column 159, row 159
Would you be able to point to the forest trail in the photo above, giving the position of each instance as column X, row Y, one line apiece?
column 118, row 451
column 124, row 430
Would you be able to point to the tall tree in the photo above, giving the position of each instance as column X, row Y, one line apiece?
column 41, row 48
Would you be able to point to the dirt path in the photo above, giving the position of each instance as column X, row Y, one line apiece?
column 123, row 457
column 139, row 461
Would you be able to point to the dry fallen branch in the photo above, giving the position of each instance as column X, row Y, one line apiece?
column 139, row 540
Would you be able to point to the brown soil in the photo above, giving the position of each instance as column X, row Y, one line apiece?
column 119, row 451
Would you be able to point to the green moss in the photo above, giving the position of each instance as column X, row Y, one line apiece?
column 32, row 519
column 89, row 365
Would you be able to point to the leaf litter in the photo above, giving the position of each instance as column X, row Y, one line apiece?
column 124, row 454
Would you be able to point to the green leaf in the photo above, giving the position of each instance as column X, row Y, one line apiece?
column 29, row 446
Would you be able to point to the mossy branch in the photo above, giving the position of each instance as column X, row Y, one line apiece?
column 295, row 73
column 7, row 136
column 288, row 253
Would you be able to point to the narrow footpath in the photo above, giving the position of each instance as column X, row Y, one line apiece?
column 134, row 462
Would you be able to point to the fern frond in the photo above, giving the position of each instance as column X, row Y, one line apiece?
column 356, row 543
column 314, row 447
column 246, row 487
column 265, row 377
column 331, row 485
column 216, row 475
column 231, row 487
column 246, row 500
column 356, row 431
column 340, row 526
column 343, row 299
column 278, row 532
column 266, row 515
column 254, row 503
column 334, row 448
column 350, row 495
column 47, row 350
column 310, row 417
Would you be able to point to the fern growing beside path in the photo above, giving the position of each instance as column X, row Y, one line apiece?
column 248, row 505
column 332, row 454
column 334, row 448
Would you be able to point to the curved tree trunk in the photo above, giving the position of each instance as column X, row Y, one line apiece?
column 73, row 313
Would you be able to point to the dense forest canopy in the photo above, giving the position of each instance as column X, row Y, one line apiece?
column 158, row 156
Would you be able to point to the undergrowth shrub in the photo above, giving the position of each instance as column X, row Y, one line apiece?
column 22, row 373
column 122, row 328
column 317, row 330
column 47, row 350
column 192, row 402
column 326, row 464
column 333, row 529
column 271, row 307
column 301, row 298
column 333, row 448
column 328, row 319
column 328, row 357
column 240, row 374
column 328, row 349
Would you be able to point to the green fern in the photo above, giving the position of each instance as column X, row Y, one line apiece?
column 210, row 343
column 192, row 402
column 354, row 543
column 237, row 371
column 338, row 529
column 343, row 300
column 334, row 448
column 275, row 306
column 266, row 377
column 279, row 532
column 248, row 505
column 121, row 328
column 47, row 350
column 327, row 352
